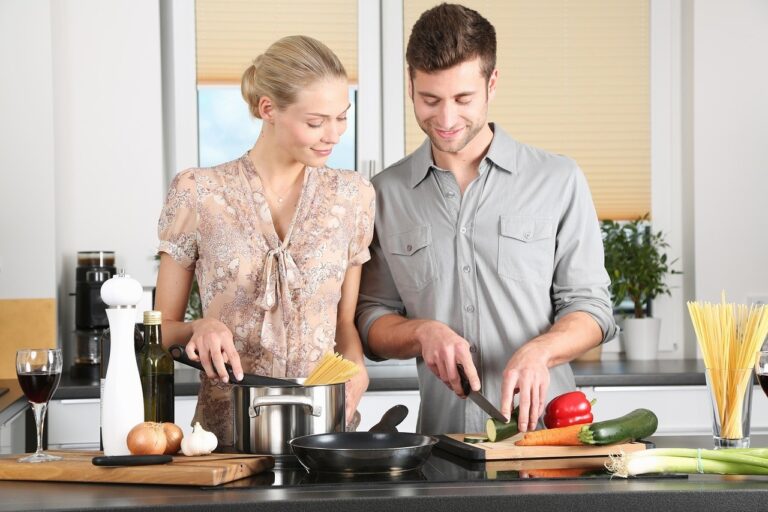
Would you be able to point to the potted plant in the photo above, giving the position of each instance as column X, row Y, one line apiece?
column 637, row 265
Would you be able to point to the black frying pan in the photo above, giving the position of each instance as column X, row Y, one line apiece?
column 180, row 355
column 380, row 450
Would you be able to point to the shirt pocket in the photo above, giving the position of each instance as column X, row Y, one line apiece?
column 410, row 258
column 526, row 248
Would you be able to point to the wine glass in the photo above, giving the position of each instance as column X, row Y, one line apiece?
column 761, row 370
column 39, row 372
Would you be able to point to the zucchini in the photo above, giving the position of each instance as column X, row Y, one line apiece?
column 636, row 425
column 498, row 430
column 474, row 439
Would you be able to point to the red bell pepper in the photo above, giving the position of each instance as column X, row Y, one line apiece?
column 568, row 409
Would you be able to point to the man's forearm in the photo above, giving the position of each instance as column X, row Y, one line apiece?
column 395, row 337
column 568, row 338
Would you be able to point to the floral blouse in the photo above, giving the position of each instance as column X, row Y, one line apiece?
column 279, row 299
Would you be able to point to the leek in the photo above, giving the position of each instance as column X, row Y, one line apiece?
column 734, row 461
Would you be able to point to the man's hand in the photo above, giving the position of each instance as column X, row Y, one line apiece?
column 442, row 349
column 526, row 373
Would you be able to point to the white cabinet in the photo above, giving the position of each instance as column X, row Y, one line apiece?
column 375, row 403
column 74, row 424
column 12, row 433
column 682, row 410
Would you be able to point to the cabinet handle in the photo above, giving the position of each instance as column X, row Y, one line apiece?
column 73, row 401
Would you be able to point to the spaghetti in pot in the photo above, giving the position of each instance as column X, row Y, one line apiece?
column 331, row 369
column 730, row 336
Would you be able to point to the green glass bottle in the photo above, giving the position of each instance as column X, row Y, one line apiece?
column 156, row 371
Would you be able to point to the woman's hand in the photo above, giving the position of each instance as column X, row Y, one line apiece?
column 354, row 389
column 212, row 345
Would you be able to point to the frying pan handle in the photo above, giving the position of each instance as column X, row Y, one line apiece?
column 179, row 354
column 265, row 401
column 391, row 419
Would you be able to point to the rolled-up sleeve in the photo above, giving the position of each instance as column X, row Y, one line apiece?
column 581, row 282
column 378, row 295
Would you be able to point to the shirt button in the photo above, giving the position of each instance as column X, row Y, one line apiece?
column 463, row 230
column 408, row 248
column 470, row 309
column 465, row 268
column 450, row 195
column 527, row 235
column 473, row 349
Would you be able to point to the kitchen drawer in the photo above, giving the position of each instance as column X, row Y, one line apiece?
column 12, row 434
column 682, row 410
column 74, row 424
column 375, row 403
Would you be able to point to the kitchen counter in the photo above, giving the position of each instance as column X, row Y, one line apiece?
column 468, row 490
column 683, row 372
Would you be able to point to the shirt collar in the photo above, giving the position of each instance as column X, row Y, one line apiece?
column 502, row 153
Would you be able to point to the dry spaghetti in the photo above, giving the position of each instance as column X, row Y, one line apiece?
column 331, row 369
column 730, row 336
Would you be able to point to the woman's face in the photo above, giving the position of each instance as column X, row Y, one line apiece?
column 309, row 128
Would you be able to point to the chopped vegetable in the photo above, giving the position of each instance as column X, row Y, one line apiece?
column 475, row 439
column 498, row 430
column 568, row 409
column 563, row 436
column 636, row 425
column 727, row 461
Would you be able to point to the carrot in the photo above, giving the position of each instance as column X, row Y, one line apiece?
column 553, row 473
column 563, row 436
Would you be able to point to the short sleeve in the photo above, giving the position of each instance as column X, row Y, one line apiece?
column 177, row 227
column 363, row 229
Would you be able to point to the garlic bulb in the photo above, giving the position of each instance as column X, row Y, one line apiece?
column 199, row 442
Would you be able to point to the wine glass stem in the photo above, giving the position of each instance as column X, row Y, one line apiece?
column 39, row 411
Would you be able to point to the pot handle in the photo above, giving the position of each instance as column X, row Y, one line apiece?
column 264, row 401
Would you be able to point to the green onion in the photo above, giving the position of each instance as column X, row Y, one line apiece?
column 734, row 461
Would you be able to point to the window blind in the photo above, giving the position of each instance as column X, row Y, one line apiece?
column 231, row 33
column 573, row 79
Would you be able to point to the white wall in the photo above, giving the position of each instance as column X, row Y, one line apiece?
column 27, row 236
column 730, row 148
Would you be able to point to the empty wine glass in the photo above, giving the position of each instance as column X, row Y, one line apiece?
column 39, row 372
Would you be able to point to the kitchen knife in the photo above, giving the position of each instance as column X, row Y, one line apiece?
column 180, row 355
column 131, row 460
column 478, row 398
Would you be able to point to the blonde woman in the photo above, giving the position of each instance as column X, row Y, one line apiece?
column 275, row 239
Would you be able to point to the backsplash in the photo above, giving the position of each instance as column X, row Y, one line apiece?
column 24, row 323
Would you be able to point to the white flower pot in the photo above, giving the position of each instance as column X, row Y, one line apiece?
column 640, row 337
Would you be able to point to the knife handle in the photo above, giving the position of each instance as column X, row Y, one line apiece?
column 465, row 387
column 180, row 354
column 131, row 460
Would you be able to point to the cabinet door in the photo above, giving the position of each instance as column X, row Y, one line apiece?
column 74, row 424
column 12, row 433
column 184, row 411
column 375, row 403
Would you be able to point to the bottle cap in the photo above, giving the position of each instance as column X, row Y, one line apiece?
column 153, row 318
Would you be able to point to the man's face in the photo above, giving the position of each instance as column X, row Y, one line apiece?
column 451, row 106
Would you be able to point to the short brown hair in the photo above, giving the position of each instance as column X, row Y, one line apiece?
column 447, row 35
column 288, row 65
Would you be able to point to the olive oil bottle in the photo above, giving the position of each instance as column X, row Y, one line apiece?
column 156, row 371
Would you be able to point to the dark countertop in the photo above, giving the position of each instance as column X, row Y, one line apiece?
column 470, row 490
column 681, row 372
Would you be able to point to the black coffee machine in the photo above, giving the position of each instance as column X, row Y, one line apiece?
column 93, row 269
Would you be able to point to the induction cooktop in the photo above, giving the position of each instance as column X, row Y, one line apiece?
column 441, row 467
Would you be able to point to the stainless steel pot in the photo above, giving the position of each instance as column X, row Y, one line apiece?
column 267, row 418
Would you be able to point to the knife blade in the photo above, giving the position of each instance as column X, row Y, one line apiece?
column 478, row 398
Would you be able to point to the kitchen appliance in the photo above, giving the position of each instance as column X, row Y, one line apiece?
column 93, row 269
column 380, row 450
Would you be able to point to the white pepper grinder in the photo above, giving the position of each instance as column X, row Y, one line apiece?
column 122, row 402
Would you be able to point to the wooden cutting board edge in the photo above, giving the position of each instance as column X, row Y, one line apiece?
column 507, row 450
column 210, row 470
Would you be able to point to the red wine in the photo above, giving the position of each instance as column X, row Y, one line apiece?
column 39, row 387
column 763, row 379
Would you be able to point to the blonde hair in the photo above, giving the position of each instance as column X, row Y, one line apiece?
column 288, row 65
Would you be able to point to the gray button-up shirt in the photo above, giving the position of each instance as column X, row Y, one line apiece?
column 520, row 249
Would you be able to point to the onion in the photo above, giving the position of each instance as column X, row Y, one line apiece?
column 173, row 436
column 146, row 438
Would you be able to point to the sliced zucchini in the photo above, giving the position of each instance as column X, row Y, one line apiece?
column 474, row 439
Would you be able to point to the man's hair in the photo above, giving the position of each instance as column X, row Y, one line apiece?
column 447, row 35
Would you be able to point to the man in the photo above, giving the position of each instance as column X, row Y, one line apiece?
column 487, row 252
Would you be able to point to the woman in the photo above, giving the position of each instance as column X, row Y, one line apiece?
column 275, row 239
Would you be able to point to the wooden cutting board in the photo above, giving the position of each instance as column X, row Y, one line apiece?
column 506, row 449
column 206, row 470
